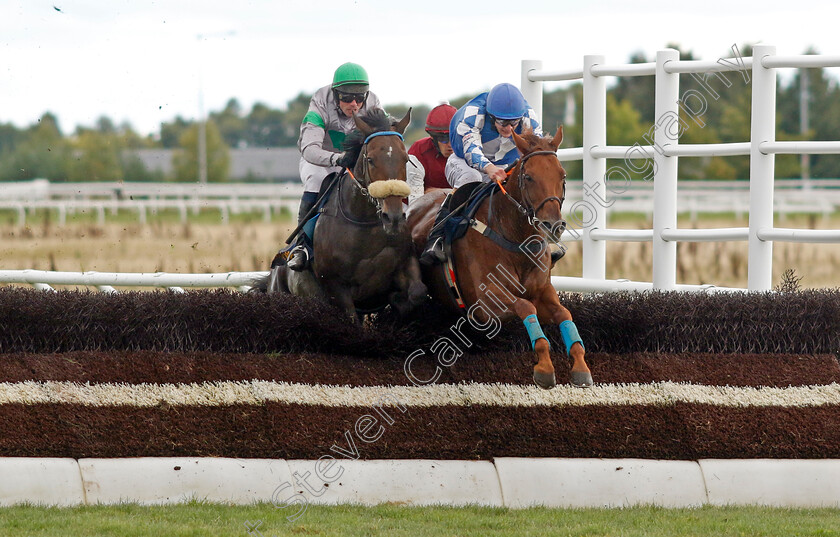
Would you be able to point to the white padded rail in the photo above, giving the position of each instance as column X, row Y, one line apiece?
column 509, row 482
column 164, row 480
column 600, row 482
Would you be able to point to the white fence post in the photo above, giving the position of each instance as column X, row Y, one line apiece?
column 667, row 130
column 532, row 90
column 762, row 167
column 592, row 207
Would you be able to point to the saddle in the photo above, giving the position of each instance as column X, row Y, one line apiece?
column 460, row 207
column 466, row 200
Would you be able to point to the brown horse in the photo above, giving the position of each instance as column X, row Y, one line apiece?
column 501, row 267
column 363, row 256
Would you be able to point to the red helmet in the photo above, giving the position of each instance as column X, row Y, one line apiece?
column 437, row 122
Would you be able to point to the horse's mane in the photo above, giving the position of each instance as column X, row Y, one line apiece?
column 378, row 120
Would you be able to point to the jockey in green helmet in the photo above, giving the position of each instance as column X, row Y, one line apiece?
column 327, row 122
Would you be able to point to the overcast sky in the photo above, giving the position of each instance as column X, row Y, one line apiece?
column 146, row 62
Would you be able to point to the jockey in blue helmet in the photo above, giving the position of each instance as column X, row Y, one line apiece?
column 481, row 134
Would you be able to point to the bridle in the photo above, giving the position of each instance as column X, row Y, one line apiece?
column 528, row 210
column 364, row 175
column 365, row 172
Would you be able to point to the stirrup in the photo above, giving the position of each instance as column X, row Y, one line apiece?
column 299, row 259
column 434, row 253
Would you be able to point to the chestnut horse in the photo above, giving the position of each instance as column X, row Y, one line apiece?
column 497, row 272
column 363, row 256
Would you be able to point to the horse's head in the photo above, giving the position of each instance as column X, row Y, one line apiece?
column 541, row 181
column 381, row 168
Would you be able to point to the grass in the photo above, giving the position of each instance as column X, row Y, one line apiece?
column 205, row 519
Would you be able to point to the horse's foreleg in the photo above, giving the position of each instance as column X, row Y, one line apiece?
column 544, row 369
column 411, row 290
column 343, row 298
column 550, row 310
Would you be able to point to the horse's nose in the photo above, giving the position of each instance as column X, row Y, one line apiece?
column 393, row 222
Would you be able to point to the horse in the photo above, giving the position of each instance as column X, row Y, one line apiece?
column 496, row 272
column 363, row 257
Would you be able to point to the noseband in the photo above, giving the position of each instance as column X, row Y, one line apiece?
column 528, row 210
column 366, row 165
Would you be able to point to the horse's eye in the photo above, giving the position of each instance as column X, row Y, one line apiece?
column 369, row 161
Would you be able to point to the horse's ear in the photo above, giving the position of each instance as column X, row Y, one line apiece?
column 403, row 123
column 363, row 127
column 523, row 146
column 558, row 138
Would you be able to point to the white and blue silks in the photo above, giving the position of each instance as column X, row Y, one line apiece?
column 476, row 140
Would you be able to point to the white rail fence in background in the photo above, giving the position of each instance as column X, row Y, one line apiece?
column 664, row 199
column 663, row 149
column 694, row 197
column 26, row 197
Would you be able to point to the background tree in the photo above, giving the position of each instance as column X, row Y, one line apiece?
column 231, row 124
column 41, row 152
column 185, row 159
column 96, row 156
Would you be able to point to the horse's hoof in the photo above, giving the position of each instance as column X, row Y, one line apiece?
column 582, row 379
column 546, row 381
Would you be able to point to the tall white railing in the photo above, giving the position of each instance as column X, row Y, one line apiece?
column 664, row 149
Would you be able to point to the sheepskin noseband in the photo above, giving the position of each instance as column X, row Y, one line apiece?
column 390, row 187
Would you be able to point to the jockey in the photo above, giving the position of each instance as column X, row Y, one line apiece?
column 428, row 156
column 323, row 129
column 481, row 134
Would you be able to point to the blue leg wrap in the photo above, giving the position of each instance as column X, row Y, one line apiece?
column 532, row 325
column 570, row 335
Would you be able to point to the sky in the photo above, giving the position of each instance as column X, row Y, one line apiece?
column 146, row 62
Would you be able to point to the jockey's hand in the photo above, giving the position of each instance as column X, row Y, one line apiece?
column 337, row 159
column 494, row 172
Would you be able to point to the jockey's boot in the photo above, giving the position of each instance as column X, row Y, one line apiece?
column 434, row 252
column 300, row 254
column 299, row 259
column 307, row 201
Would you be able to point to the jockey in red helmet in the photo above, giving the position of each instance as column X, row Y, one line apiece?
column 427, row 157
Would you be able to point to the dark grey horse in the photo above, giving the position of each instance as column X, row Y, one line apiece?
column 363, row 254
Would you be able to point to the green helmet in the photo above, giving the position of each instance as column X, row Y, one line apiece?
column 351, row 78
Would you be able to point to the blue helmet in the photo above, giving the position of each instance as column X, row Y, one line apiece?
column 505, row 101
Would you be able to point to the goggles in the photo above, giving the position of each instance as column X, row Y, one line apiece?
column 350, row 97
column 440, row 138
column 507, row 122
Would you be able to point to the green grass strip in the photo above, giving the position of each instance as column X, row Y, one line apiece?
column 203, row 519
